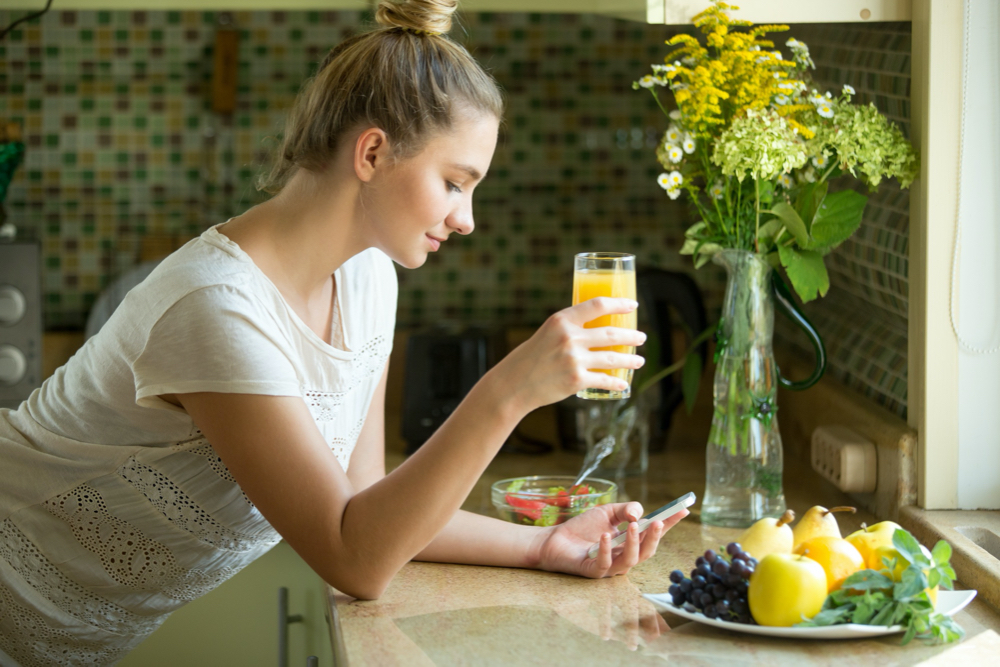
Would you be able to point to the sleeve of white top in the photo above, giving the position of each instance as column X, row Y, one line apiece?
column 216, row 339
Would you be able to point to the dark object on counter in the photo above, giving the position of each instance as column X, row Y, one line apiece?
column 441, row 368
column 664, row 298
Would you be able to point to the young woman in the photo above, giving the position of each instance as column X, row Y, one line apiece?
column 236, row 396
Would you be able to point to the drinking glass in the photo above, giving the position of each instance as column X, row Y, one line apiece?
column 607, row 274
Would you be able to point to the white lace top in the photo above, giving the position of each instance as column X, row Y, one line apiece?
column 114, row 510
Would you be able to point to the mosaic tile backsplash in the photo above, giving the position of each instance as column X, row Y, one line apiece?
column 122, row 143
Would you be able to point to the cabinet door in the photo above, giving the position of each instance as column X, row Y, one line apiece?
column 237, row 623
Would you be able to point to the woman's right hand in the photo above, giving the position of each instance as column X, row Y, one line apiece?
column 556, row 361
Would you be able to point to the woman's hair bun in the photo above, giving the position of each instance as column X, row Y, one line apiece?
column 430, row 16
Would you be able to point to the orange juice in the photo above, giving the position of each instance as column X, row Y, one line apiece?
column 591, row 283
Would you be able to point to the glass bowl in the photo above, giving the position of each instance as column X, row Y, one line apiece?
column 547, row 500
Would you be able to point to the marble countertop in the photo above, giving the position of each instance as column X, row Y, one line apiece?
column 434, row 614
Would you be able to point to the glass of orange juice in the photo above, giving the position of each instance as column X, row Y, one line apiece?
column 607, row 274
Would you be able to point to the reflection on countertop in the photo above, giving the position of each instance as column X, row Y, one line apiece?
column 434, row 614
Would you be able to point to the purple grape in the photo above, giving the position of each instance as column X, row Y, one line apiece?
column 676, row 576
column 690, row 608
column 739, row 606
column 720, row 567
column 674, row 590
column 733, row 548
column 704, row 569
column 700, row 561
column 678, row 600
column 685, row 585
column 710, row 556
column 710, row 611
column 733, row 579
column 752, row 562
column 719, row 591
column 732, row 596
column 722, row 607
column 745, row 556
column 706, row 599
column 737, row 568
column 694, row 573
column 698, row 581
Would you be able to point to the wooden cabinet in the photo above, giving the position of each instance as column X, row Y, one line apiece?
column 237, row 623
column 651, row 11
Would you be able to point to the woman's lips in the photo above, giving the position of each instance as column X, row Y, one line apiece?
column 435, row 243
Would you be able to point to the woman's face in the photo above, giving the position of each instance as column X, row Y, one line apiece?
column 415, row 204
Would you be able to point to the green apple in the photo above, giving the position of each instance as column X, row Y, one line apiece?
column 786, row 589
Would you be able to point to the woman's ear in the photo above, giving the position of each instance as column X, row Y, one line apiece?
column 371, row 152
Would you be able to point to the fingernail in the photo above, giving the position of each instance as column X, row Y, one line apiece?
column 644, row 337
column 632, row 304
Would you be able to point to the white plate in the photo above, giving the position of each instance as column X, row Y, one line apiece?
column 948, row 603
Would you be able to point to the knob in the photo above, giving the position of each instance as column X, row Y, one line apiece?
column 12, row 305
column 12, row 365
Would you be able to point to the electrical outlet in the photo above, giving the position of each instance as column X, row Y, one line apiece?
column 845, row 458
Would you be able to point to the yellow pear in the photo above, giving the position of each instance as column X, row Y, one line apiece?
column 818, row 522
column 769, row 536
column 870, row 538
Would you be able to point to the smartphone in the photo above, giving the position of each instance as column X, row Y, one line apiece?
column 668, row 510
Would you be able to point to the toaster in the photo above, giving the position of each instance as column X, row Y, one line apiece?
column 441, row 367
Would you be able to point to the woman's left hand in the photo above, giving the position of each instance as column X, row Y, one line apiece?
column 564, row 548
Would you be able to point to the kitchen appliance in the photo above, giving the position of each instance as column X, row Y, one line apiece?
column 20, row 320
column 668, row 300
column 442, row 365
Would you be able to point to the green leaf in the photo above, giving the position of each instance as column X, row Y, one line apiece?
column 907, row 545
column 691, row 379
column 914, row 581
column 867, row 580
column 767, row 231
column 793, row 223
column 690, row 245
column 941, row 552
column 806, row 271
column 766, row 192
column 826, row 617
column 837, row 217
column 808, row 200
column 693, row 230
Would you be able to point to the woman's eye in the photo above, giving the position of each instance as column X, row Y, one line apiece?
column 453, row 187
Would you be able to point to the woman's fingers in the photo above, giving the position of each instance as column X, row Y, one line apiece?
column 601, row 337
column 590, row 310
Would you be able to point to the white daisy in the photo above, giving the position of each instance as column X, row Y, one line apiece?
column 785, row 181
column 675, row 179
column 717, row 190
column 820, row 161
column 673, row 135
column 848, row 90
column 674, row 193
column 675, row 114
column 787, row 85
column 808, row 175
column 824, row 110
column 817, row 97
column 663, row 180
column 688, row 144
column 792, row 42
column 647, row 81
column 674, row 153
column 781, row 100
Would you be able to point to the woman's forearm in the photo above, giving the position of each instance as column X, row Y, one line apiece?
column 473, row 539
column 390, row 522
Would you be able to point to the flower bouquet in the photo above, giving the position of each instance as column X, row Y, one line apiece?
column 754, row 146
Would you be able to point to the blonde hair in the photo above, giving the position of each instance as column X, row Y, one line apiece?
column 404, row 77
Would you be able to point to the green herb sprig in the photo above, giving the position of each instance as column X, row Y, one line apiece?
column 874, row 597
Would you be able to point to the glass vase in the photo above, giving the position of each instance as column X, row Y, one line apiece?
column 744, row 457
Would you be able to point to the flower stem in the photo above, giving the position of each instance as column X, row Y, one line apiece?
column 756, row 193
column 658, row 103
column 827, row 172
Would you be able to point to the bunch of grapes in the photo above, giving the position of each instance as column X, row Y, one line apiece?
column 718, row 585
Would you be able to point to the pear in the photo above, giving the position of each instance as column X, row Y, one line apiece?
column 769, row 536
column 818, row 522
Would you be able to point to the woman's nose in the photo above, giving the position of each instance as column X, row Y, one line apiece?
column 461, row 220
